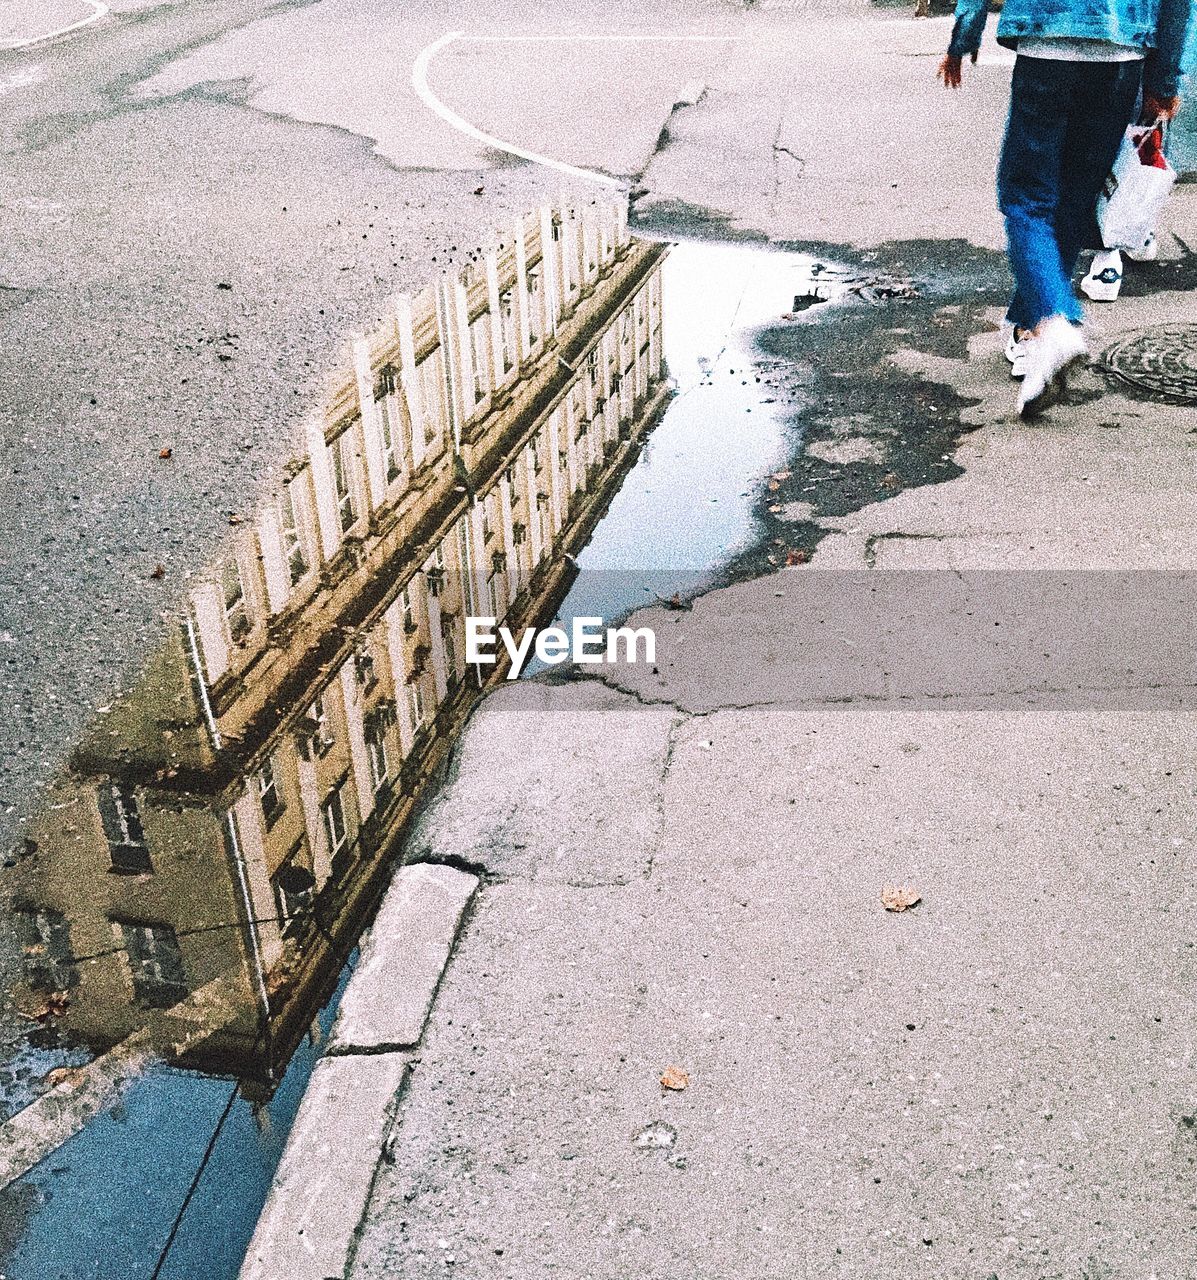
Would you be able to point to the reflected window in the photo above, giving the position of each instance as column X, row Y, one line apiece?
column 44, row 936
column 364, row 673
column 495, row 592
column 535, row 305
column 316, row 732
column 407, row 609
column 569, row 264
column 480, row 351
column 121, row 820
column 236, row 612
column 297, row 563
column 507, row 329
column 415, row 702
column 376, row 751
column 342, row 459
column 431, row 389
column 155, row 963
column 450, row 642
column 294, row 884
column 269, row 794
column 487, row 526
column 389, row 424
column 332, row 814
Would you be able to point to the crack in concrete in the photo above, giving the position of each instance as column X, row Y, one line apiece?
column 871, row 543
column 666, row 766
column 962, row 696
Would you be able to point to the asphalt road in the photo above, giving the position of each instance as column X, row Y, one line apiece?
column 180, row 268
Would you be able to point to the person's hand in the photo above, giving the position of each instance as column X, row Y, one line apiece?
column 1155, row 108
column 951, row 70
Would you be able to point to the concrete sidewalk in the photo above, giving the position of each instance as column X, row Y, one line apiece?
column 683, row 867
column 1000, row 1082
column 996, row 1083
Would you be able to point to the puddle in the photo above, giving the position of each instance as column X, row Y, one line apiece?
column 687, row 508
column 576, row 421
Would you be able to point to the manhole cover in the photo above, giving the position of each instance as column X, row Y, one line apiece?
column 1161, row 360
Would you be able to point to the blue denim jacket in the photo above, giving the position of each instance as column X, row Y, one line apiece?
column 1157, row 27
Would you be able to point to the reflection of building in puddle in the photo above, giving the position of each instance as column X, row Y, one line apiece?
column 224, row 828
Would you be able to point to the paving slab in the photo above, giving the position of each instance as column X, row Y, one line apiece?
column 569, row 821
column 392, row 989
column 996, row 1082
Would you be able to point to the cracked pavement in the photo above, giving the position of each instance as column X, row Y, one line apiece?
column 683, row 863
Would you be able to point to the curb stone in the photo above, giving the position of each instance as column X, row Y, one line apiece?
column 390, row 995
column 323, row 1182
column 322, row 1187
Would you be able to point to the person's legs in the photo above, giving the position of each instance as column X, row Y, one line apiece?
column 1106, row 97
column 1029, row 180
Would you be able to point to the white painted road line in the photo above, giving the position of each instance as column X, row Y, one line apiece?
column 601, row 39
column 419, row 81
column 98, row 11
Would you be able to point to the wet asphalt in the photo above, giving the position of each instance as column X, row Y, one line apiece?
column 176, row 273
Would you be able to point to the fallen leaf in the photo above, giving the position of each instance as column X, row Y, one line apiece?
column 675, row 1078
column 158, row 571
column 64, row 1075
column 166, row 453
column 890, row 481
column 53, row 1006
column 794, row 557
column 899, row 897
column 234, row 519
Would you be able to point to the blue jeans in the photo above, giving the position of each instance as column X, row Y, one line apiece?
column 1066, row 124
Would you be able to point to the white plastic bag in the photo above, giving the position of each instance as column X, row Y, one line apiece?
column 1130, row 204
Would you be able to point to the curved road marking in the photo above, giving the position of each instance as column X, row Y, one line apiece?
column 642, row 39
column 99, row 9
column 419, row 81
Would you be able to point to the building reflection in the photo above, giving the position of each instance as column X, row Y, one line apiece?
column 208, row 862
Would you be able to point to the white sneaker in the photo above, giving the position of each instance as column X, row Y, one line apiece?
column 1056, row 349
column 1017, row 351
column 1104, row 279
column 1148, row 253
